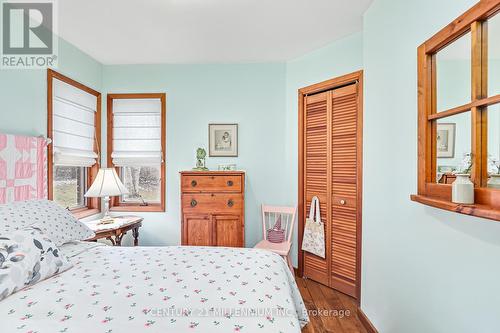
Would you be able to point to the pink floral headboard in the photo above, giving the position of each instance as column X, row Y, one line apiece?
column 23, row 168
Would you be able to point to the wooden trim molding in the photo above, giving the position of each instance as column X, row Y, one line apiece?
column 480, row 12
column 93, row 204
column 366, row 322
column 477, row 210
column 487, row 200
column 115, row 203
column 466, row 107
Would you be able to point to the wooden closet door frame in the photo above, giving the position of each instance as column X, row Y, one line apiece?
column 338, row 82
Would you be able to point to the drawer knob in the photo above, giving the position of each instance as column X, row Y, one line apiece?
column 230, row 183
column 230, row 203
column 342, row 202
column 194, row 203
column 194, row 183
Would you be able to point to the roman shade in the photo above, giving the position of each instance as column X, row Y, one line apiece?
column 137, row 132
column 73, row 125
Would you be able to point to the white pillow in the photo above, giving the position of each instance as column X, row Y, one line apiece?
column 27, row 256
column 55, row 221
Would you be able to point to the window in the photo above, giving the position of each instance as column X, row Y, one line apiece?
column 73, row 125
column 458, row 103
column 143, row 184
column 136, row 148
column 70, row 186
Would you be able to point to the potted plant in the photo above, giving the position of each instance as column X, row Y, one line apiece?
column 200, row 160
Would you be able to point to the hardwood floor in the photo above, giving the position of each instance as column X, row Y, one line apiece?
column 329, row 310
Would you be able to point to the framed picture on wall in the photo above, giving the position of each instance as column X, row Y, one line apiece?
column 223, row 140
column 445, row 145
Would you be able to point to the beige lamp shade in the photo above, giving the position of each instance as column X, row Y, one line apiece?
column 107, row 183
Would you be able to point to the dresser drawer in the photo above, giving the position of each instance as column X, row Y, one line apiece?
column 206, row 183
column 215, row 203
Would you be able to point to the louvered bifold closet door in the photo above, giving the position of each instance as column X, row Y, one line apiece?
column 317, row 114
column 344, row 183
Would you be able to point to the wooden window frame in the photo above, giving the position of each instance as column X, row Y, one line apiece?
column 115, row 203
column 439, row 195
column 93, row 204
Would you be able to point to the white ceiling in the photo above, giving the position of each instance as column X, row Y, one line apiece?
column 205, row 31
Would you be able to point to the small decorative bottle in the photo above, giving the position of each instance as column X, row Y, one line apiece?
column 462, row 190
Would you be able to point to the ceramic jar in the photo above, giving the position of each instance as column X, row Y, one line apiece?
column 494, row 181
column 462, row 190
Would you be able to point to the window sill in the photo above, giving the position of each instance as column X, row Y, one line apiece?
column 478, row 210
column 137, row 208
column 83, row 213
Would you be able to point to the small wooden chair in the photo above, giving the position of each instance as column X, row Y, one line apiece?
column 270, row 215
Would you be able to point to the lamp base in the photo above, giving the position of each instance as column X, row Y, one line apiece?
column 106, row 219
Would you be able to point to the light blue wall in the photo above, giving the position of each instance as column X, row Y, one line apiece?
column 453, row 82
column 453, row 86
column 338, row 58
column 494, row 133
column 424, row 270
column 252, row 95
column 23, row 93
column 494, row 110
column 261, row 98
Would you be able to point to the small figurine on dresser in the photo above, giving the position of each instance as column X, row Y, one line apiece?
column 200, row 159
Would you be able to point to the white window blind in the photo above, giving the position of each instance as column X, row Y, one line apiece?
column 73, row 125
column 137, row 132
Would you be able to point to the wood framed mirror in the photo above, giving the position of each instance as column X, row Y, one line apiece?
column 459, row 111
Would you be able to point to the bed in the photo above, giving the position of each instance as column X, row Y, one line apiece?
column 160, row 289
column 51, row 281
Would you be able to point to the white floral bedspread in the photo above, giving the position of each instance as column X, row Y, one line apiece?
column 161, row 289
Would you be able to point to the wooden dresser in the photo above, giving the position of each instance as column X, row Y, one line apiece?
column 213, row 208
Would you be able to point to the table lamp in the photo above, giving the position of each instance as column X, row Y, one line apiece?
column 107, row 184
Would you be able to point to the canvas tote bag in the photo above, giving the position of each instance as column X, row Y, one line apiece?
column 314, row 231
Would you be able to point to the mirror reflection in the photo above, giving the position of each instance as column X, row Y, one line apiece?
column 494, row 146
column 453, row 147
column 453, row 65
column 494, row 55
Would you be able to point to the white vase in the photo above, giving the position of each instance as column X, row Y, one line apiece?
column 494, row 181
column 462, row 190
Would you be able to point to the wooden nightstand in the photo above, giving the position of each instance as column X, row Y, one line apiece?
column 114, row 232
